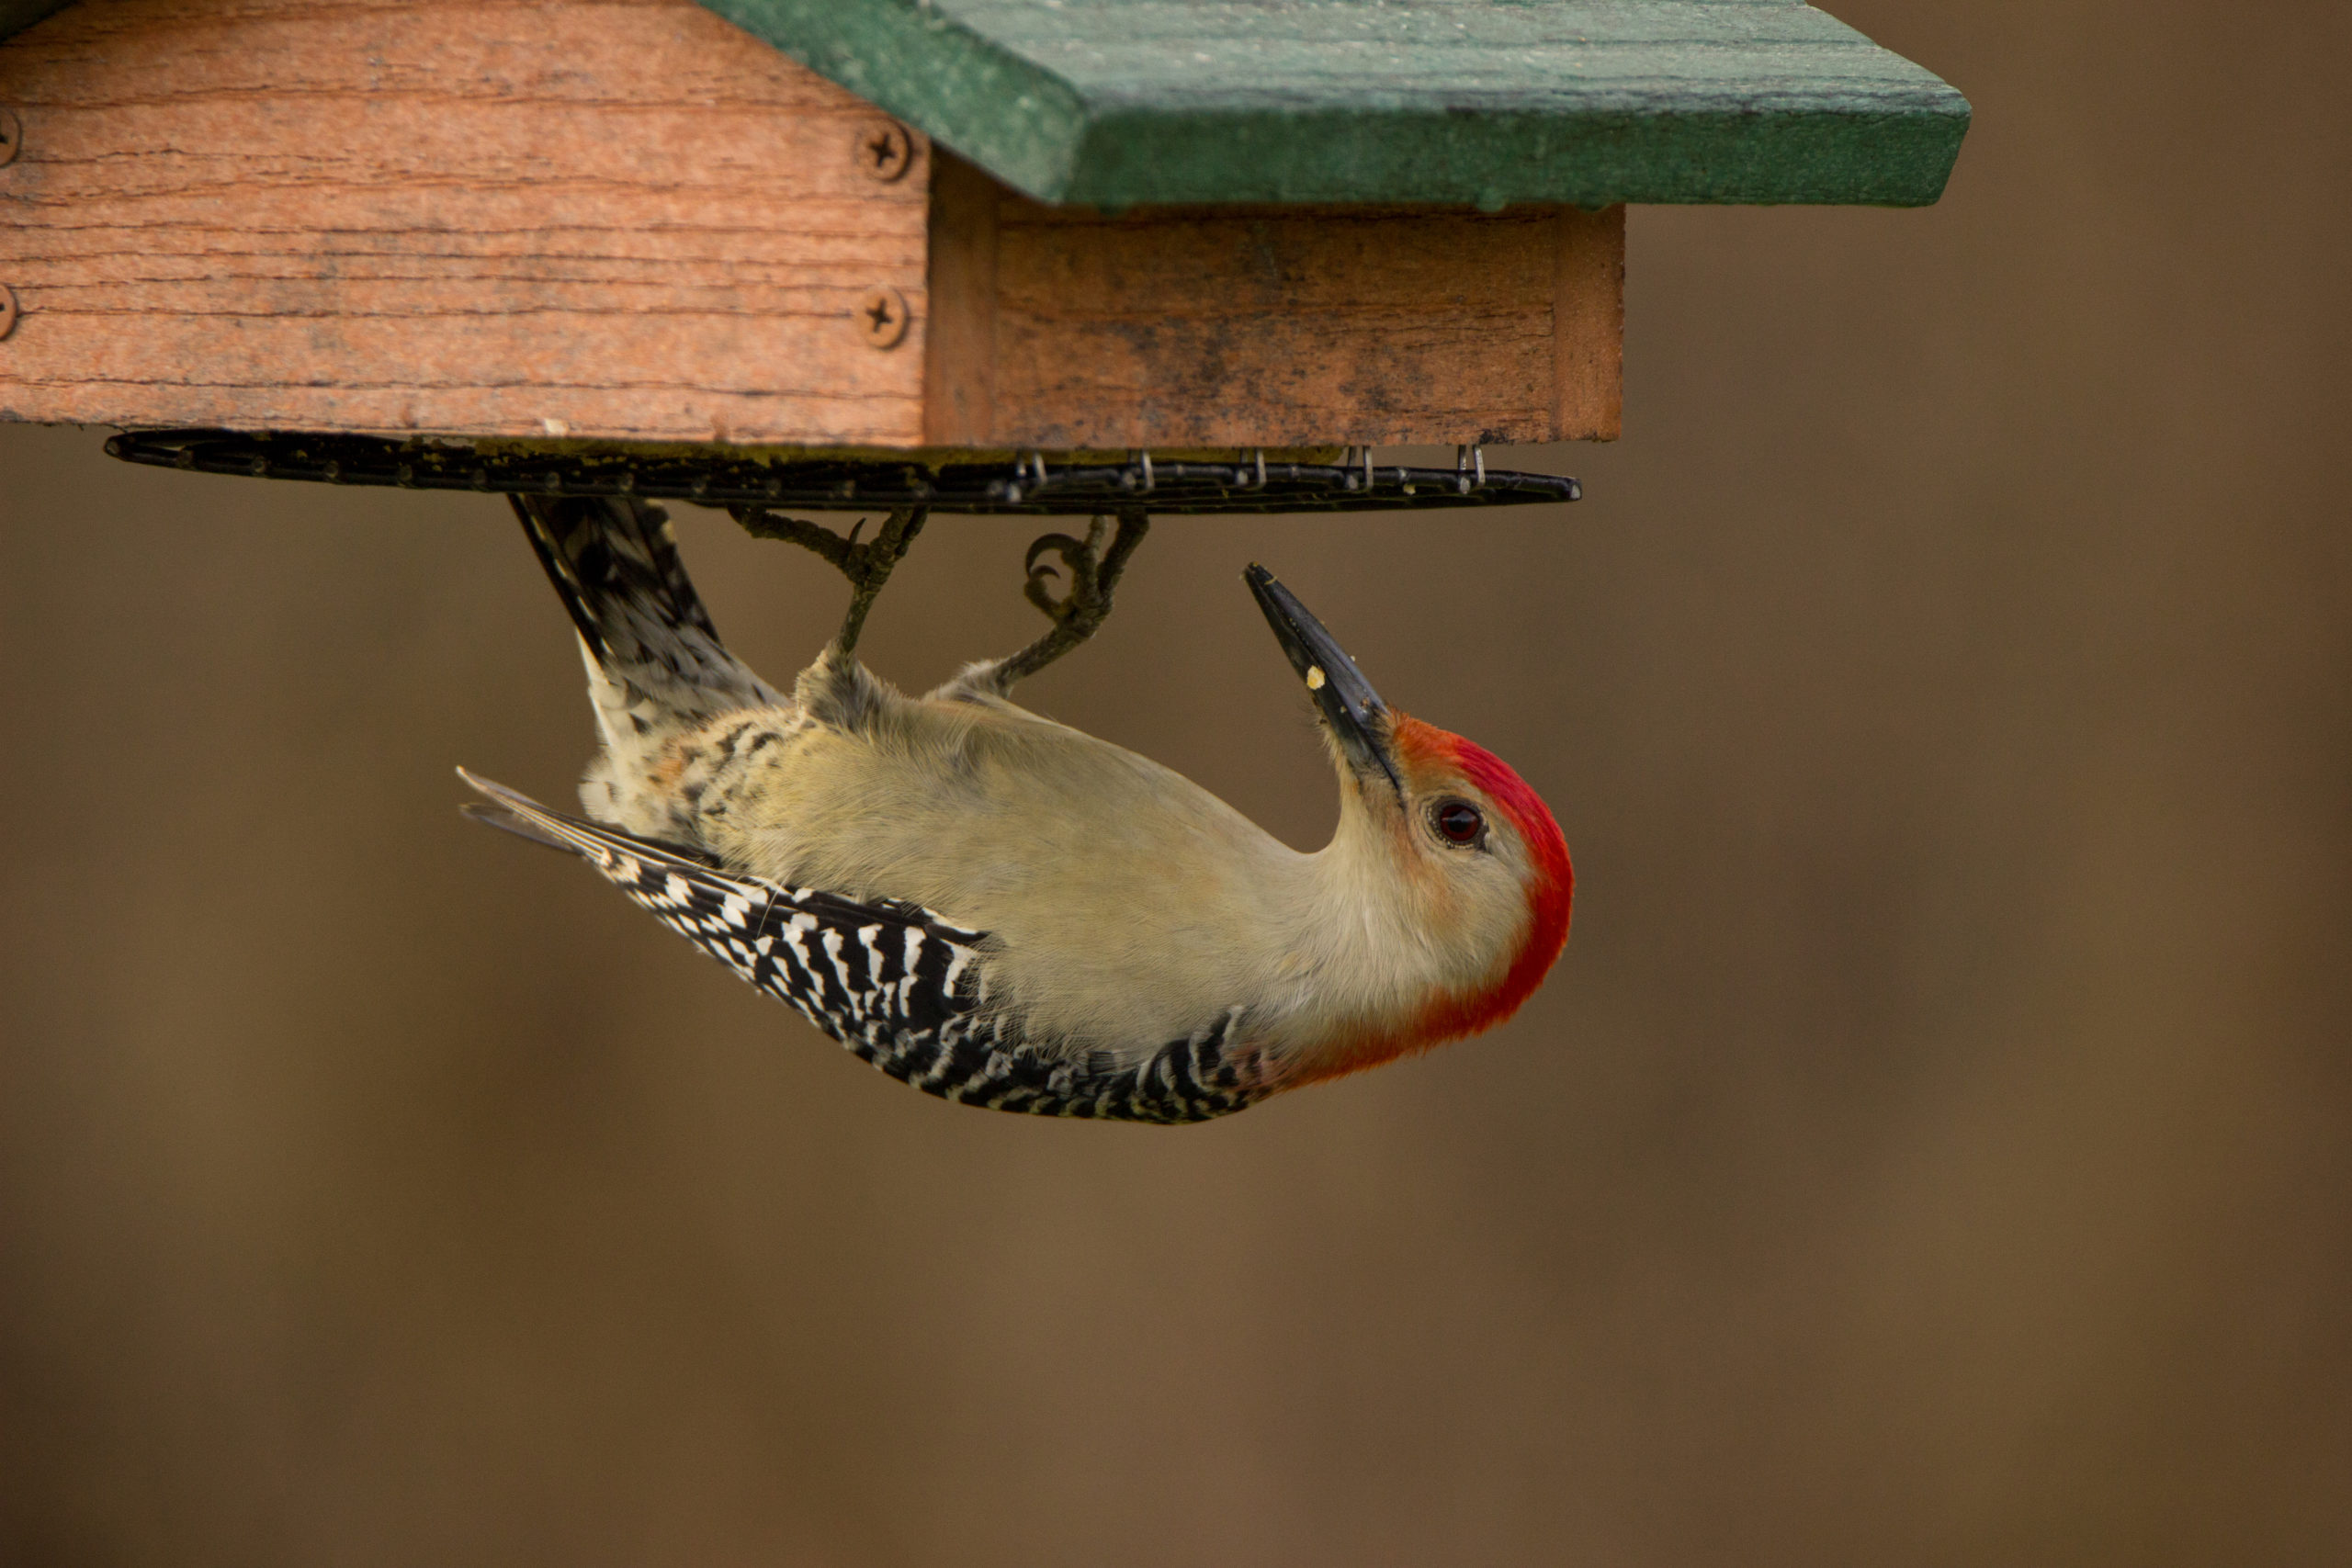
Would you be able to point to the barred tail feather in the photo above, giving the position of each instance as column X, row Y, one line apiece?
column 614, row 562
column 656, row 668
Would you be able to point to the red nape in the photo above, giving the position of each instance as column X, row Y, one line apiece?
column 1548, row 898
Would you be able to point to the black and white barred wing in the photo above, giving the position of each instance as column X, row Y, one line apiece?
column 893, row 982
column 883, row 979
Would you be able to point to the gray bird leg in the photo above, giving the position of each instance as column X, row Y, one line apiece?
column 867, row 566
column 1095, row 564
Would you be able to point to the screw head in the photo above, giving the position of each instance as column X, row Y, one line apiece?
column 7, row 310
column 882, row 317
column 885, row 151
column 11, row 136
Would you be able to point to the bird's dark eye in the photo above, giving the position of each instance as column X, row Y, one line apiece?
column 1458, row 822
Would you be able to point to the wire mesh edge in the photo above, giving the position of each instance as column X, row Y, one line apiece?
column 1028, row 486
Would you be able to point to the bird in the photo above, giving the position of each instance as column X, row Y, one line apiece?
column 1005, row 911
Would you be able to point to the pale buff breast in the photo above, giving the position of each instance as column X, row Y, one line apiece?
column 1129, row 906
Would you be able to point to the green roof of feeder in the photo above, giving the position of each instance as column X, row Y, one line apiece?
column 1113, row 103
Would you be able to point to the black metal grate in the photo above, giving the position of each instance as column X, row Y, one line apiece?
column 1030, row 486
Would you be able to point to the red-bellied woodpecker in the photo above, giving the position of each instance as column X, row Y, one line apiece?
column 1007, row 912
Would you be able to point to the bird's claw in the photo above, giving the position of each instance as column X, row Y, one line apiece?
column 1083, row 606
column 867, row 566
column 1094, row 564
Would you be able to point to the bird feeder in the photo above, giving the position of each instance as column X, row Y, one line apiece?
column 977, row 254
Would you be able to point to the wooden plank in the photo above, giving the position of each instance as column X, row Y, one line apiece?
column 610, row 219
column 959, row 395
column 1589, row 325
column 1271, row 327
column 1593, row 103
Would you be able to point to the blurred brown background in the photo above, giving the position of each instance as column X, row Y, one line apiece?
column 1932, row 1149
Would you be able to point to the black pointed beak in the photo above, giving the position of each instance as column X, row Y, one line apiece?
column 1351, row 710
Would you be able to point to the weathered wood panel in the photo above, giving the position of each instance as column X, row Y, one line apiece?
column 959, row 391
column 1588, row 326
column 1206, row 327
column 617, row 218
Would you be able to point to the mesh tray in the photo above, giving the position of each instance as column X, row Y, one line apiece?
column 1030, row 486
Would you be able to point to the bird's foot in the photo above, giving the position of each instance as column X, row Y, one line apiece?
column 867, row 566
column 1095, row 565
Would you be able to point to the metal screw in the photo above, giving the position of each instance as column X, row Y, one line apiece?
column 11, row 136
column 7, row 310
column 882, row 317
column 885, row 151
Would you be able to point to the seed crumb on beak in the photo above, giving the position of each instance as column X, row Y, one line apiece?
column 1351, row 711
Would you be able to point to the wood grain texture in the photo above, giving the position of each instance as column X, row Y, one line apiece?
column 616, row 219
column 1592, row 103
column 959, row 374
column 1221, row 327
column 1589, row 325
